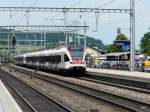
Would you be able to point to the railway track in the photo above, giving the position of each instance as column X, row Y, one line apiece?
column 33, row 100
column 118, row 83
column 22, row 102
column 108, row 97
column 128, row 84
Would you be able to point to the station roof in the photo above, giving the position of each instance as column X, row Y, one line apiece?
column 122, row 41
column 116, row 54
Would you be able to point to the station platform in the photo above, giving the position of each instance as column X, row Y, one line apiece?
column 135, row 76
column 7, row 102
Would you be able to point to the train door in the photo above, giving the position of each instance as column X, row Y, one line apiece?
column 24, row 59
column 62, row 64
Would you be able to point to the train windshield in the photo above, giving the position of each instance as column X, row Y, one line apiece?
column 76, row 53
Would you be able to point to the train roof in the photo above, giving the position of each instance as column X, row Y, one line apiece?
column 44, row 52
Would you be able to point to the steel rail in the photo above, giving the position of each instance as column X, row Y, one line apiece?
column 124, row 83
column 115, row 85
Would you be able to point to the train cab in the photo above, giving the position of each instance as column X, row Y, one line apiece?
column 77, row 55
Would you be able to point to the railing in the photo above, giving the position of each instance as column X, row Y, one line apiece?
column 118, row 66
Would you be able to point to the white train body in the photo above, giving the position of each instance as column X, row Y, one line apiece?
column 66, row 58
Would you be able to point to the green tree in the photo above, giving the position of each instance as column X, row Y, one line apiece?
column 88, row 56
column 7, row 55
column 115, row 48
column 121, row 37
column 145, row 44
column 112, row 48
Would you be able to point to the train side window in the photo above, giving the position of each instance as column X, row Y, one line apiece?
column 55, row 59
column 39, row 59
column 66, row 58
column 45, row 59
column 59, row 59
column 50, row 59
column 35, row 58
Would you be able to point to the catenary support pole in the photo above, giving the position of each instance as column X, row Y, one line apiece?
column 132, row 35
column 85, row 30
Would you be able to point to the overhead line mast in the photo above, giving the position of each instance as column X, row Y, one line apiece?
column 132, row 35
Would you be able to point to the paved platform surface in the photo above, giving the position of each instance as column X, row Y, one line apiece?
column 7, row 103
column 137, row 76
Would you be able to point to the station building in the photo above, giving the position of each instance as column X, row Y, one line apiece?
column 93, row 55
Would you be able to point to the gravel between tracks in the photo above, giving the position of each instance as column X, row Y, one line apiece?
column 74, row 100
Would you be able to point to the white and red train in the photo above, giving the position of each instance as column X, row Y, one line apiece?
column 61, row 59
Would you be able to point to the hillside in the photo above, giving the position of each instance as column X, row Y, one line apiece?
column 90, row 40
column 51, row 37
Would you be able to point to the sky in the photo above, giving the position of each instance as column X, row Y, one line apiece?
column 107, row 23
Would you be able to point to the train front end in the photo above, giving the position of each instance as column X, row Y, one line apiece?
column 77, row 63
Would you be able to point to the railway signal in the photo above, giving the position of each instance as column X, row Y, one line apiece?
column 13, row 41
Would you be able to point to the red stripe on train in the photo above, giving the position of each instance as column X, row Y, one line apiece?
column 77, row 61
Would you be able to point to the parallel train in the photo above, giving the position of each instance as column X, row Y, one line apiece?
column 60, row 59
